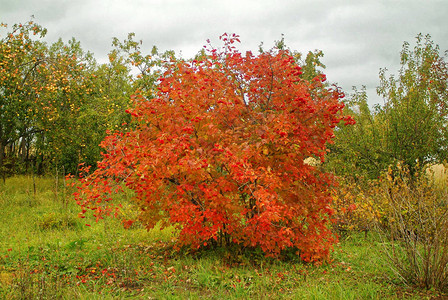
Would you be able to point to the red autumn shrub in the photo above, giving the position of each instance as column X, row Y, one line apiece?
column 219, row 154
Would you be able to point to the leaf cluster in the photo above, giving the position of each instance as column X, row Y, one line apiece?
column 411, row 125
column 219, row 152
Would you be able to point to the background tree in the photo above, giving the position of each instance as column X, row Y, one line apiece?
column 44, row 92
column 145, row 70
column 416, row 106
column 68, row 87
column 105, row 110
column 311, row 65
column 57, row 102
column 127, row 71
column 20, row 55
column 358, row 150
column 411, row 125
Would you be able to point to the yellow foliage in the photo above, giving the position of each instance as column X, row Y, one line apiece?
column 394, row 195
column 356, row 206
column 6, row 278
column 437, row 173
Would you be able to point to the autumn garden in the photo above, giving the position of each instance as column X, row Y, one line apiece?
column 227, row 174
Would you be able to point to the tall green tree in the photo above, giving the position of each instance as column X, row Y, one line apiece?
column 411, row 126
column 69, row 88
column 145, row 69
column 416, row 105
column 43, row 91
column 358, row 149
column 22, row 55
column 105, row 110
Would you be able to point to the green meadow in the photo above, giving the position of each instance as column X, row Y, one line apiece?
column 47, row 252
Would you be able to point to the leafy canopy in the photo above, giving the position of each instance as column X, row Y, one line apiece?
column 42, row 89
column 411, row 126
column 219, row 152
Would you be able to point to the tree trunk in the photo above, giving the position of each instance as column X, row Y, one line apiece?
column 2, row 155
column 22, row 150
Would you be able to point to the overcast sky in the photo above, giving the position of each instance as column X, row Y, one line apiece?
column 357, row 37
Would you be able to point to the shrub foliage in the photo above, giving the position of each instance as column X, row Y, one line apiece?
column 417, row 217
column 219, row 153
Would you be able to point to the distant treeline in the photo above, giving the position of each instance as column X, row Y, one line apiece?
column 57, row 104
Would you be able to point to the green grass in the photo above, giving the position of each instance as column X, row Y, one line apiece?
column 46, row 252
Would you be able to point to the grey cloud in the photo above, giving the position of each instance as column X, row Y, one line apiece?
column 357, row 37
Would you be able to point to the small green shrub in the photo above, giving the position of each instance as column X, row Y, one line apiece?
column 54, row 220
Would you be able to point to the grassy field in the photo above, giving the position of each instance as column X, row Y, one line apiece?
column 47, row 252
